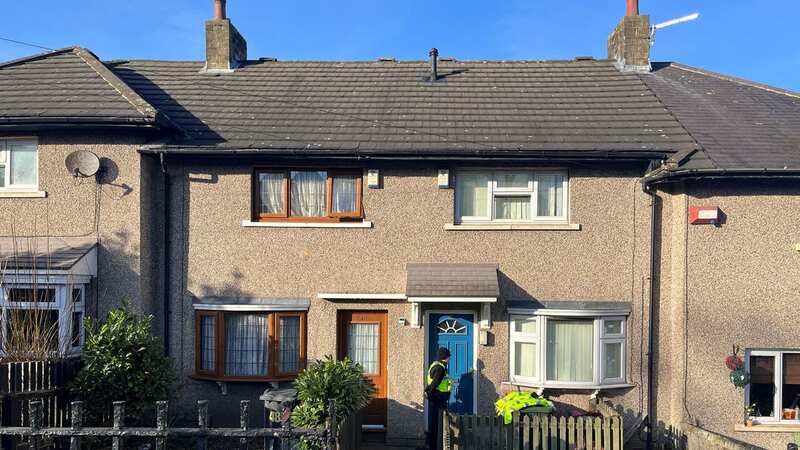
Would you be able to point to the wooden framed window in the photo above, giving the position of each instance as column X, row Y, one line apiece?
column 307, row 195
column 249, row 346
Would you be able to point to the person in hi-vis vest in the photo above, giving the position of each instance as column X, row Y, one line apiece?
column 437, row 391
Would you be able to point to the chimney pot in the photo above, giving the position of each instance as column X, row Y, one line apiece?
column 633, row 8
column 219, row 10
column 434, row 54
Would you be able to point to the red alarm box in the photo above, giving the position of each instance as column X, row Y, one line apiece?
column 703, row 214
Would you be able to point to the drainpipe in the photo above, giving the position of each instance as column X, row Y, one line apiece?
column 167, row 271
column 651, row 326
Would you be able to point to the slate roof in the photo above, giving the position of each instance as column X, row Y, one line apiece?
column 393, row 107
column 68, row 85
column 43, row 253
column 739, row 124
column 451, row 280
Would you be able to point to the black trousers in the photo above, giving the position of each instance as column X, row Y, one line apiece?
column 437, row 405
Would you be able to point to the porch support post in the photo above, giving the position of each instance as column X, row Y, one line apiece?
column 486, row 316
column 416, row 315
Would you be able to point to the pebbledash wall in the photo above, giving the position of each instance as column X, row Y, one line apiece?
column 119, row 209
column 733, row 284
column 212, row 254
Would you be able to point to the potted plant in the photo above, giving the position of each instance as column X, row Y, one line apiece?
column 749, row 413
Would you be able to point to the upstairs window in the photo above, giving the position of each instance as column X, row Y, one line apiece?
column 307, row 195
column 511, row 196
column 19, row 162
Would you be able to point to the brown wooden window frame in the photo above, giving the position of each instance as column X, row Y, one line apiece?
column 273, row 345
column 285, row 216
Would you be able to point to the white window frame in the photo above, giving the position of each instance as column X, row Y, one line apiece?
column 531, row 191
column 5, row 166
column 777, row 400
column 540, row 338
column 63, row 304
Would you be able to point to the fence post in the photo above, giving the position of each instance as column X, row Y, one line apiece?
column 202, row 422
column 244, row 421
column 286, row 429
column 36, row 422
column 117, row 442
column 333, row 427
column 77, row 424
column 161, row 424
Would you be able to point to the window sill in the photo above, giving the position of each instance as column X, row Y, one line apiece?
column 242, row 379
column 513, row 226
column 250, row 223
column 23, row 194
column 575, row 387
column 768, row 428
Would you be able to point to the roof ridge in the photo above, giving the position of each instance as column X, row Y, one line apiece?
column 742, row 81
column 132, row 97
column 36, row 56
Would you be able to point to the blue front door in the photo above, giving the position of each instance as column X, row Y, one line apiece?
column 455, row 333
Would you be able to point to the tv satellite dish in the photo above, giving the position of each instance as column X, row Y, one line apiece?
column 82, row 163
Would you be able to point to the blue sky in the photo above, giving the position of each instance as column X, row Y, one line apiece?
column 737, row 37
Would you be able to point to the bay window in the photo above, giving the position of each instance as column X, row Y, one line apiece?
column 308, row 195
column 241, row 345
column 511, row 196
column 774, row 388
column 19, row 161
column 37, row 319
column 567, row 351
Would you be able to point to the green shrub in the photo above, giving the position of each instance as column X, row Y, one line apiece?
column 123, row 361
column 326, row 379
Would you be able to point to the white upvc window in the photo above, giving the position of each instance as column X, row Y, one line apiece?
column 774, row 388
column 571, row 351
column 512, row 196
column 42, row 315
column 19, row 165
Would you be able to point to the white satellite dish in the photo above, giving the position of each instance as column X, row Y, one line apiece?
column 82, row 163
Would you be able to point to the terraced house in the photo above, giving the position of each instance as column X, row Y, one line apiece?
column 589, row 228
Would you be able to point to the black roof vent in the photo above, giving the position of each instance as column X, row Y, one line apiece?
column 267, row 59
column 584, row 58
column 447, row 59
column 386, row 59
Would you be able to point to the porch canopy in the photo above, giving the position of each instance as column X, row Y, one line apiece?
column 47, row 259
column 452, row 283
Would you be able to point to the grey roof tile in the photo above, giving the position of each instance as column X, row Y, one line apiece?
column 451, row 280
column 739, row 124
column 375, row 107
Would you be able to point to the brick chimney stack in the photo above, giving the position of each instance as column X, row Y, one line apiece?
column 629, row 43
column 226, row 49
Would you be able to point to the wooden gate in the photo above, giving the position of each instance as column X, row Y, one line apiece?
column 43, row 381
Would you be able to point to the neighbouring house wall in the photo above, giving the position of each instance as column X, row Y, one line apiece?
column 733, row 284
column 109, row 211
column 213, row 255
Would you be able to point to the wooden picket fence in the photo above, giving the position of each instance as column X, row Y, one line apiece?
column 45, row 381
column 532, row 432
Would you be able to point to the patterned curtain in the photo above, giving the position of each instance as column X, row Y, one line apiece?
column 363, row 346
column 245, row 345
column 289, row 339
column 308, row 194
column 271, row 187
